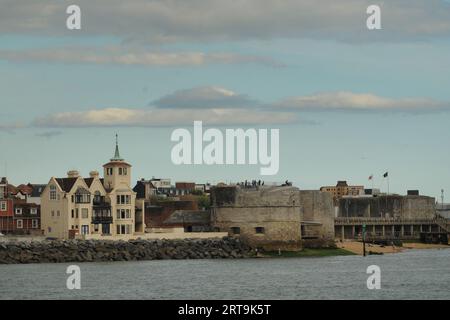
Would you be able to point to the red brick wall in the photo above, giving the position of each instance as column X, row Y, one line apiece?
column 155, row 216
column 9, row 209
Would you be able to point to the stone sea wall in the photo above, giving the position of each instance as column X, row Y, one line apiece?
column 100, row 250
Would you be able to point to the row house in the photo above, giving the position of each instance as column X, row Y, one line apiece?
column 6, row 208
column 18, row 215
column 27, row 218
column 92, row 206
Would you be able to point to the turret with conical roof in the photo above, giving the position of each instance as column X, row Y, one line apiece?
column 117, row 171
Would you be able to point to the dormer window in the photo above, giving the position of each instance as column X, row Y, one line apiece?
column 18, row 211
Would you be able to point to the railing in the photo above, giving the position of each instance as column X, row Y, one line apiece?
column 102, row 219
column 360, row 220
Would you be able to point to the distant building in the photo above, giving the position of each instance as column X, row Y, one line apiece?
column 162, row 186
column 6, row 207
column 27, row 218
column 342, row 189
column 92, row 206
column 184, row 188
column 35, row 195
column 272, row 217
column 145, row 189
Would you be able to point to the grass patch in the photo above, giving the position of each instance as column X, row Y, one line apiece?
column 310, row 253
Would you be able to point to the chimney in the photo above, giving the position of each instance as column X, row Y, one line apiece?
column 73, row 174
column 93, row 174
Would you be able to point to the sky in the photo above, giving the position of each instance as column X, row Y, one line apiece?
column 349, row 102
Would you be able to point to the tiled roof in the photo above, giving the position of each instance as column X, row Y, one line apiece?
column 66, row 184
column 89, row 181
column 36, row 189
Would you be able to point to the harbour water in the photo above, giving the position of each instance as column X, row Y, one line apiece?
column 412, row 274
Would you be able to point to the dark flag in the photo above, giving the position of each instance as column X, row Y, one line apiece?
column 385, row 174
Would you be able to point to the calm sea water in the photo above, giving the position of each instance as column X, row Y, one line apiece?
column 413, row 274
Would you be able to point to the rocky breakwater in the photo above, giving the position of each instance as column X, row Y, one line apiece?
column 104, row 250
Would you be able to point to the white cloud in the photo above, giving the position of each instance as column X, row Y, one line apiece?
column 160, row 117
column 137, row 57
column 350, row 101
column 218, row 20
column 204, row 98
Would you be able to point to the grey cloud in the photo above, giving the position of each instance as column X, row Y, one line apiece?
column 218, row 20
column 205, row 98
column 134, row 57
column 109, row 117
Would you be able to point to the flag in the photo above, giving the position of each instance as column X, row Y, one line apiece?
column 385, row 174
column 371, row 177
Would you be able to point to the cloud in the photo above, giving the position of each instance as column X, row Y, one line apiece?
column 137, row 57
column 349, row 101
column 205, row 98
column 217, row 20
column 220, row 106
column 116, row 117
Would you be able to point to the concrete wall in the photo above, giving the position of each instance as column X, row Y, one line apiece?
column 275, row 209
column 393, row 206
column 317, row 207
column 156, row 236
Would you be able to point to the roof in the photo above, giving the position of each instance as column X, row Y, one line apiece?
column 89, row 181
column 117, row 163
column 66, row 184
column 36, row 189
column 25, row 189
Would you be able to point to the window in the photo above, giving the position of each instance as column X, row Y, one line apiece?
column 58, row 213
column 235, row 230
column 18, row 211
column 33, row 211
column 53, row 213
column 52, row 192
column 123, row 199
column 84, row 213
column 120, row 171
column 76, row 213
column 259, row 230
column 118, row 229
column 3, row 205
column 128, row 214
column 96, row 227
column 19, row 224
column 35, row 223
column 84, row 229
column 73, row 215
column 109, row 171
